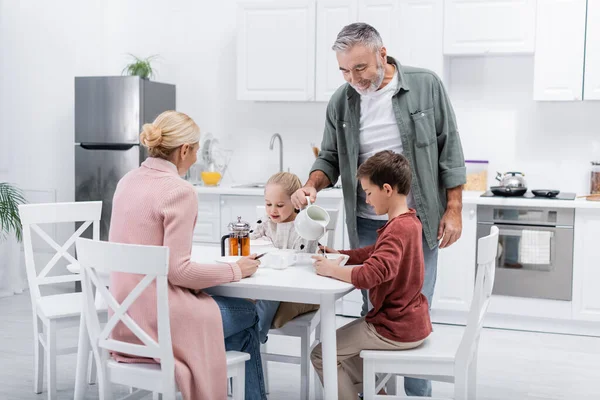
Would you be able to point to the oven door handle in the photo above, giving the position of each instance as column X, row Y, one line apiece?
column 519, row 233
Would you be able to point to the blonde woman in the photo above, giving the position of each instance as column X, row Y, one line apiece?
column 154, row 206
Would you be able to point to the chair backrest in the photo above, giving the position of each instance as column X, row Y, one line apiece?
column 487, row 249
column 53, row 213
column 97, row 258
column 329, row 229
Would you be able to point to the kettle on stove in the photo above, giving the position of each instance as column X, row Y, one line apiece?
column 511, row 184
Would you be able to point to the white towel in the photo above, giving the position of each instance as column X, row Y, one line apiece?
column 535, row 247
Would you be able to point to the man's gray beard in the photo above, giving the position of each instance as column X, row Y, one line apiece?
column 374, row 85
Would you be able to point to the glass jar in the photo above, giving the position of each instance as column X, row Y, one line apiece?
column 595, row 178
column 477, row 175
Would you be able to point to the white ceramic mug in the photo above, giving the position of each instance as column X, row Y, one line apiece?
column 280, row 259
column 311, row 223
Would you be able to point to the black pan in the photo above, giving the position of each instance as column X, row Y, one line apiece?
column 550, row 193
column 507, row 191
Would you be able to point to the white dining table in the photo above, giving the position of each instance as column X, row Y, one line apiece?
column 300, row 284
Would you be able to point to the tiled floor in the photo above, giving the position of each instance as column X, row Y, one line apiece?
column 512, row 365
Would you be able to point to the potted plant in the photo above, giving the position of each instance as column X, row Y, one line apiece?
column 140, row 67
column 10, row 198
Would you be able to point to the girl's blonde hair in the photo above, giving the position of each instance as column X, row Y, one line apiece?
column 170, row 130
column 288, row 181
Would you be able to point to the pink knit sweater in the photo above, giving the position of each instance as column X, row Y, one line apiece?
column 154, row 206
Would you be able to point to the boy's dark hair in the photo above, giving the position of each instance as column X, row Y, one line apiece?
column 387, row 167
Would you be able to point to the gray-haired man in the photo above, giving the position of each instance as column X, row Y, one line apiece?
column 387, row 106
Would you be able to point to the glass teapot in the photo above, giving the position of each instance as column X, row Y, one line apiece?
column 239, row 238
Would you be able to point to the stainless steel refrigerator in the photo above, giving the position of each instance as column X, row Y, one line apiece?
column 109, row 114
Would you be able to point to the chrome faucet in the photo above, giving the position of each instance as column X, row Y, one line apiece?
column 278, row 136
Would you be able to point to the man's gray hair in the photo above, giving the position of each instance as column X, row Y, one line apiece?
column 357, row 33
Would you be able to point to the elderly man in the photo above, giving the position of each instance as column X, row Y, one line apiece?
column 387, row 106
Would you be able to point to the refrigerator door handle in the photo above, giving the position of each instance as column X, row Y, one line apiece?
column 90, row 146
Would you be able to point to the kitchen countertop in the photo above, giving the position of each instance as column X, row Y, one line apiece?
column 331, row 193
column 475, row 198
column 469, row 197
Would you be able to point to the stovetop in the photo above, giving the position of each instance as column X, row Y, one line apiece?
column 529, row 195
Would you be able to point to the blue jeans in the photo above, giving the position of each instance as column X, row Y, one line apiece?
column 240, row 328
column 266, row 310
column 367, row 235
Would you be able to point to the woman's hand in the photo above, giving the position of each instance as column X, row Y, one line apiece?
column 326, row 267
column 248, row 265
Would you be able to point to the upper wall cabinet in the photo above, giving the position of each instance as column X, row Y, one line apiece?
column 284, row 47
column 332, row 16
column 412, row 30
column 276, row 50
column 591, row 90
column 420, row 38
column 489, row 26
column 559, row 54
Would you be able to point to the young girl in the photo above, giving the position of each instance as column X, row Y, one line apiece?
column 278, row 227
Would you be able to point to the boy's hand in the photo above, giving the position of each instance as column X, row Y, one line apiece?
column 326, row 267
column 325, row 249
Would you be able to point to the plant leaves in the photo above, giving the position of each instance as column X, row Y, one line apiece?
column 10, row 198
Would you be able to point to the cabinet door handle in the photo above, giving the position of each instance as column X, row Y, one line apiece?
column 222, row 202
column 471, row 214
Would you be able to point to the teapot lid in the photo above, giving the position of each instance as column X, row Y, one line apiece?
column 239, row 226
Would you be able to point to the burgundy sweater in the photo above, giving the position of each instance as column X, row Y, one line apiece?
column 393, row 271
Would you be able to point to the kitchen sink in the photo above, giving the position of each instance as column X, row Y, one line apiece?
column 250, row 186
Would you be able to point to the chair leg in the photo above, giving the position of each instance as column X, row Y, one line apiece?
column 38, row 356
column 51, row 359
column 91, row 369
column 265, row 366
column 472, row 379
column 368, row 380
column 305, row 365
column 239, row 382
column 317, row 382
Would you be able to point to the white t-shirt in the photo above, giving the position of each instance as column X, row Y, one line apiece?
column 378, row 131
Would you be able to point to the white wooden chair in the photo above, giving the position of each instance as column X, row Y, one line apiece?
column 97, row 258
column 54, row 312
column 449, row 354
column 302, row 326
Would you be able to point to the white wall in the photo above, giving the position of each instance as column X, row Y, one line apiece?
column 45, row 44
column 551, row 142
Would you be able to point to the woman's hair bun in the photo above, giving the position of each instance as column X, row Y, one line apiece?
column 151, row 136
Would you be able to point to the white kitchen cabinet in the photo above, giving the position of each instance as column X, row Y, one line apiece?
column 383, row 15
column 490, row 26
column 276, row 50
column 456, row 267
column 207, row 229
column 332, row 16
column 559, row 54
column 420, row 39
column 586, row 265
column 591, row 90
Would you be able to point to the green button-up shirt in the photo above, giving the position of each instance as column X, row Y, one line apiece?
column 430, row 142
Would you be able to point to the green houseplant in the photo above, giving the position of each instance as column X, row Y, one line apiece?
column 10, row 198
column 140, row 67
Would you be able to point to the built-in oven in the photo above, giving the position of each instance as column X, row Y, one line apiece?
column 535, row 250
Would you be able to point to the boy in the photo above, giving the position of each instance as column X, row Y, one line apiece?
column 392, row 270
